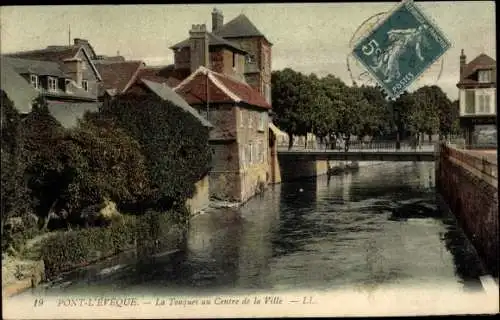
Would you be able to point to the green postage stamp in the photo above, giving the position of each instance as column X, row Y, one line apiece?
column 400, row 48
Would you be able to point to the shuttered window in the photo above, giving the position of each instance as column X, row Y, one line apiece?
column 470, row 101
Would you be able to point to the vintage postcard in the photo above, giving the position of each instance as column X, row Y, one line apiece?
column 249, row 160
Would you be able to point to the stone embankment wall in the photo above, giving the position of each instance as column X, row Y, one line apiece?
column 293, row 168
column 469, row 185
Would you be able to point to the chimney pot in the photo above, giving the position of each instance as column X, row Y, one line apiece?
column 463, row 62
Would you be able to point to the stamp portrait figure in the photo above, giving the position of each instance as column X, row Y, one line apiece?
column 399, row 49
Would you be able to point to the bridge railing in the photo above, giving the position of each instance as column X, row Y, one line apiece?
column 364, row 146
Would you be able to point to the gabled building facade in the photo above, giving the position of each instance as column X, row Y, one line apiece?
column 64, row 75
column 242, row 32
column 240, row 136
column 236, row 48
column 204, row 48
column 477, row 101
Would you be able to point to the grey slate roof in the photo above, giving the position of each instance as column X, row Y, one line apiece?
column 45, row 68
column 240, row 26
column 42, row 68
column 213, row 40
column 19, row 91
column 68, row 113
column 168, row 94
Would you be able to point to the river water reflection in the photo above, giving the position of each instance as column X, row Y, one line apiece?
column 378, row 226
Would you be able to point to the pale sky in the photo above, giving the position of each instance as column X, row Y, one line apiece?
column 306, row 37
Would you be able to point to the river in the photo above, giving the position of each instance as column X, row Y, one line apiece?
column 378, row 226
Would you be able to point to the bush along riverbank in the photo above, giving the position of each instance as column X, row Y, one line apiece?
column 63, row 251
column 66, row 191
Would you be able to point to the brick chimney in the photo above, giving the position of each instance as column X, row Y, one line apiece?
column 198, row 38
column 74, row 69
column 463, row 61
column 217, row 20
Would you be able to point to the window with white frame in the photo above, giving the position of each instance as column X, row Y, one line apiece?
column 470, row 101
column 241, row 118
column 52, row 84
column 34, row 81
column 85, row 85
column 484, row 76
column 262, row 121
column 250, row 118
column 484, row 103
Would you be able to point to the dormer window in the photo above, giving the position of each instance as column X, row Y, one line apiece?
column 52, row 84
column 85, row 85
column 484, row 76
column 34, row 81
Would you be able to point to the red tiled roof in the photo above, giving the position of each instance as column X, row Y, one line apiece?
column 54, row 53
column 221, row 89
column 482, row 61
column 153, row 74
column 117, row 75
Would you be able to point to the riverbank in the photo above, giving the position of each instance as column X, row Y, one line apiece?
column 291, row 239
column 53, row 254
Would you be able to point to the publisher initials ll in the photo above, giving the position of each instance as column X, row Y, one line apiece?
column 307, row 300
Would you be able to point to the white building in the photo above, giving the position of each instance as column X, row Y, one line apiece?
column 477, row 97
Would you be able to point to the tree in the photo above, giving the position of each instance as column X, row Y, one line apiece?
column 104, row 163
column 13, row 190
column 402, row 107
column 174, row 143
column 431, row 108
column 40, row 134
column 293, row 101
column 69, row 170
column 347, row 104
column 455, row 115
column 376, row 116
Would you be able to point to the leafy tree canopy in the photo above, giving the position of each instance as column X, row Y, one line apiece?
column 177, row 156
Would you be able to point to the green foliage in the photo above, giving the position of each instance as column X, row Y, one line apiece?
column 108, row 164
column 147, row 233
column 430, row 108
column 68, row 250
column 14, row 193
column 377, row 115
column 293, row 101
column 45, row 171
column 174, row 143
column 329, row 108
column 69, row 170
